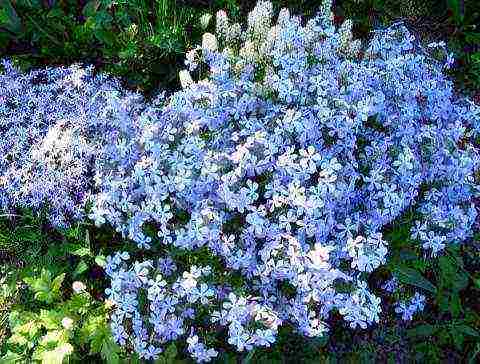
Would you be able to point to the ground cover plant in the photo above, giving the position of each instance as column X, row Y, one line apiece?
column 301, row 185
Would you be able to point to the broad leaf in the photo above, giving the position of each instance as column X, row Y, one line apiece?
column 414, row 278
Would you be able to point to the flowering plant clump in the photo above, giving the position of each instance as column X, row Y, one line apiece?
column 54, row 123
column 408, row 308
column 288, row 151
column 287, row 158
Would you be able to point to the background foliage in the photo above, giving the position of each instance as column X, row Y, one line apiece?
column 143, row 41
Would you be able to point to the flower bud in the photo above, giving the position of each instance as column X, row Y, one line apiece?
column 185, row 78
column 209, row 42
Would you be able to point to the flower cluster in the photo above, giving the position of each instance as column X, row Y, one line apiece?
column 289, row 149
column 54, row 123
column 408, row 308
column 175, row 301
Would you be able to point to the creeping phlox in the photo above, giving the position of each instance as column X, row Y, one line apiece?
column 174, row 300
column 288, row 156
column 53, row 126
column 288, row 150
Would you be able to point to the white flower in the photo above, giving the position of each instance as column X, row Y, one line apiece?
column 67, row 323
column 78, row 287
column 319, row 256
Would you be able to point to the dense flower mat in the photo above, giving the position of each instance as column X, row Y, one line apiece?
column 282, row 164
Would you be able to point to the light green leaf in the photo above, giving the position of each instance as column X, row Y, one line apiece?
column 82, row 252
column 11, row 357
column 57, row 282
column 82, row 267
column 46, row 289
column 101, row 261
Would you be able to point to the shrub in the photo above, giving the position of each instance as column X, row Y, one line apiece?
column 287, row 159
column 142, row 41
column 263, row 187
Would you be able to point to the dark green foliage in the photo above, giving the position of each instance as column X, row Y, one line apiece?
column 452, row 321
column 142, row 41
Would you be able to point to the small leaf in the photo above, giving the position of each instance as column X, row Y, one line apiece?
column 82, row 252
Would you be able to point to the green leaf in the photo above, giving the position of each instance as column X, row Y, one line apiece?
column 110, row 351
column 170, row 353
column 475, row 354
column 101, row 260
column 54, row 338
column 455, row 305
column 457, row 338
column 57, row 282
column 103, row 18
column 476, row 282
column 455, row 7
column 51, row 319
column 3, row 16
column 105, row 36
column 422, row 331
column 9, row 18
column 90, row 8
column 468, row 330
column 473, row 38
column 451, row 274
column 46, row 289
column 11, row 357
column 82, row 252
column 82, row 267
column 249, row 358
column 414, row 278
